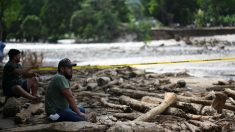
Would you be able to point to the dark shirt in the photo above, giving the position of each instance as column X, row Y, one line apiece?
column 10, row 77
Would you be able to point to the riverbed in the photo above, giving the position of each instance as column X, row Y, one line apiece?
column 140, row 52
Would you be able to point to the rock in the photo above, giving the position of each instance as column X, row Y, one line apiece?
column 62, row 126
column 136, row 127
column 11, row 107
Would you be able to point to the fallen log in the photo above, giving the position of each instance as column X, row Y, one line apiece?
column 137, row 94
column 109, row 84
column 25, row 114
column 91, row 94
column 135, row 104
column 192, row 127
column 60, row 126
column 219, row 88
column 103, row 81
column 206, row 126
column 135, row 126
column 232, row 100
column 230, row 93
column 203, row 102
column 105, row 102
column 168, row 100
column 130, row 116
column 187, row 107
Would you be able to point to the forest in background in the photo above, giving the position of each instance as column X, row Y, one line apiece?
column 106, row 20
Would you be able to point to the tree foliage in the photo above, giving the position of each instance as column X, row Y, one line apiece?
column 105, row 20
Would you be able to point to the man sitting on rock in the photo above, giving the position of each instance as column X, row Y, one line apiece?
column 13, row 83
column 60, row 104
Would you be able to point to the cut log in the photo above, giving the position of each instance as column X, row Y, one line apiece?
column 101, row 81
column 219, row 102
column 135, row 104
column 92, row 86
column 230, row 93
column 105, row 102
column 168, row 100
column 137, row 94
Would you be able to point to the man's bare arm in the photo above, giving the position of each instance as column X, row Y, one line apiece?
column 69, row 96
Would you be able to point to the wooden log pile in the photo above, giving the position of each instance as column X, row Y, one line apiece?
column 127, row 99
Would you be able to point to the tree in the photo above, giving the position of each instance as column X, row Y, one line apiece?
column 31, row 27
column 55, row 15
column 97, row 21
column 9, row 10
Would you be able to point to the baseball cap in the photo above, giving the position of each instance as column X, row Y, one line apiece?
column 66, row 63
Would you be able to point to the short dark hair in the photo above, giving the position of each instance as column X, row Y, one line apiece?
column 65, row 63
column 12, row 53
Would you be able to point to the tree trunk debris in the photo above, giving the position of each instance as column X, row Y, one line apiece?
column 127, row 99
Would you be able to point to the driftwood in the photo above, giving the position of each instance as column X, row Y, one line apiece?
column 109, row 84
column 203, row 102
column 135, row 104
column 232, row 100
column 25, row 114
column 133, row 93
column 206, row 126
column 168, row 100
column 91, row 94
column 105, row 102
column 61, row 126
column 219, row 102
column 187, row 107
column 135, row 126
column 103, row 81
column 130, row 116
column 192, row 127
column 230, row 93
column 220, row 88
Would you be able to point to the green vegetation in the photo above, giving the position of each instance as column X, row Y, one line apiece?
column 106, row 20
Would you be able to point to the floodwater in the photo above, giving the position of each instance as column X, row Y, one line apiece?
column 139, row 52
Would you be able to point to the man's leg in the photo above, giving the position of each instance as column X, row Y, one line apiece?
column 69, row 115
column 19, row 91
column 33, row 85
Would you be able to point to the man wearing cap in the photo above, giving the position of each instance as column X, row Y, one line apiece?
column 13, row 83
column 60, row 104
